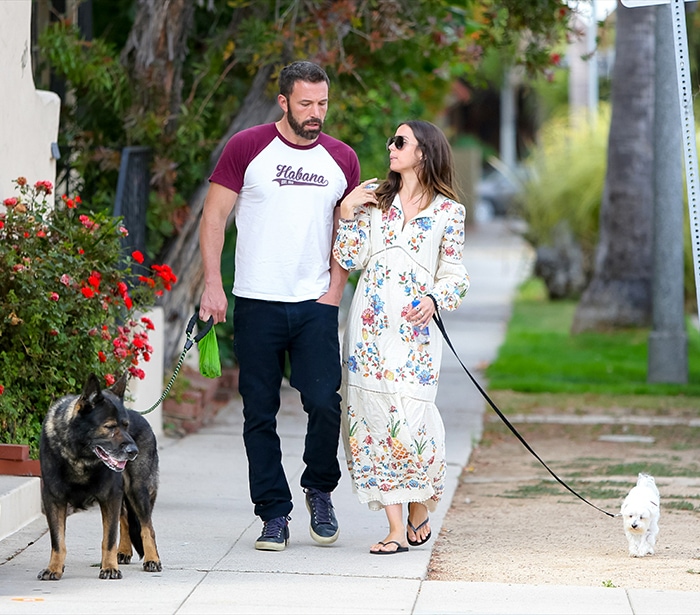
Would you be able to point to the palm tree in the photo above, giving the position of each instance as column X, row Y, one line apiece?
column 619, row 294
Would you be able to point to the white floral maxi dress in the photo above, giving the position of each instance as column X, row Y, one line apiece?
column 392, row 430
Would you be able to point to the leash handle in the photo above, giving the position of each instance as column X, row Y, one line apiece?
column 438, row 320
column 190, row 327
column 188, row 344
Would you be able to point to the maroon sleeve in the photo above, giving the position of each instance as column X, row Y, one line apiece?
column 347, row 160
column 240, row 149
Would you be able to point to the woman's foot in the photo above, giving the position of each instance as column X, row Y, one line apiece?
column 418, row 531
column 393, row 543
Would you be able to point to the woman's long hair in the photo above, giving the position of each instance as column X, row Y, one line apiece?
column 435, row 171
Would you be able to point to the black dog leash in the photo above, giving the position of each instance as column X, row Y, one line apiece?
column 438, row 319
column 188, row 344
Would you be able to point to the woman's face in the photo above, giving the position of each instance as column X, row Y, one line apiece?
column 404, row 152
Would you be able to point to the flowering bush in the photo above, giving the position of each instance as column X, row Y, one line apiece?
column 69, row 299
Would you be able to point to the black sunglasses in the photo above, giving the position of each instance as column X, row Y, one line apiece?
column 397, row 141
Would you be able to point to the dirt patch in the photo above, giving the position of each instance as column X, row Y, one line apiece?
column 511, row 522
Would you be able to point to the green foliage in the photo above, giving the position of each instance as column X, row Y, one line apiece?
column 540, row 355
column 566, row 174
column 388, row 61
column 68, row 305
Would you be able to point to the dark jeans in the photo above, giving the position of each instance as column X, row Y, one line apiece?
column 308, row 331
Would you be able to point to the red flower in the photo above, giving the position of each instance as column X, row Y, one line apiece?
column 81, row 251
column 101, row 356
column 148, row 322
column 88, row 293
column 88, row 222
column 110, row 379
column 41, row 233
column 166, row 274
column 53, row 296
column 137, row 373
column 137, row 256
column 44, row 186
column 94, row 279
column 2, row 224
column 122, row 288
column 2, row 389
column 11, row 202
column 128, row 302
column 21, row 181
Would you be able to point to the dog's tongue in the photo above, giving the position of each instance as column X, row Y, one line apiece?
column 117, row 465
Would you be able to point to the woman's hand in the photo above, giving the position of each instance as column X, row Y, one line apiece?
column 422, row 313
column 359, row 196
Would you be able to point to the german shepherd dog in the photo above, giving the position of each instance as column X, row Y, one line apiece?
column 93, row 449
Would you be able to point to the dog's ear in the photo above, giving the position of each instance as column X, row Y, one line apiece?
column 119, row 387
column 91, row 395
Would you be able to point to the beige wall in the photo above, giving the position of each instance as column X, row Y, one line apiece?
column 28, row 117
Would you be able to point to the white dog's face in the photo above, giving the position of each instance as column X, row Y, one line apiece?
column 637, row 520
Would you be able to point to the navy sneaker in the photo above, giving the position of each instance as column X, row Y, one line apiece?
column 275, row 535
column 324, row 525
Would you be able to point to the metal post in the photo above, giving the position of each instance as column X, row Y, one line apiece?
column 690, row 154
column 668, row 342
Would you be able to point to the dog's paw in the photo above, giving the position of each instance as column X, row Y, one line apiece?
column 50, row 575
column 153, row 566
column 124, row 558
column 110, row 573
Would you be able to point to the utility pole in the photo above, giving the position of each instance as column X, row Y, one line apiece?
column 668, row 341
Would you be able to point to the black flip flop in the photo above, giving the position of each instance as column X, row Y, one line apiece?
column 417, row 543
column 399, row 548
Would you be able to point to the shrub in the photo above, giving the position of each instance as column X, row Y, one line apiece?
column 69, row 305
column 567, row 175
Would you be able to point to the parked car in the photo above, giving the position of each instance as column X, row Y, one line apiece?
column 498, row 190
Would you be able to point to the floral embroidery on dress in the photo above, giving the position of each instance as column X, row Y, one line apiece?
column 394, row 436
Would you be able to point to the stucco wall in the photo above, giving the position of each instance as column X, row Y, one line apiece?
column 28, row 117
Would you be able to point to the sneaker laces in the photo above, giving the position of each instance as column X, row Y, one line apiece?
column 274, row 527
column 321, row 505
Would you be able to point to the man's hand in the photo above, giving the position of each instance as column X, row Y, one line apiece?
column 213, row 303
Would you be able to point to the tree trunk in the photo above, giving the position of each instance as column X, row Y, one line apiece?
column 183, row 255
column 155, row 51
column 619, row 294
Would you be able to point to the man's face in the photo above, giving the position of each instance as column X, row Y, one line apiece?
column 306, row 108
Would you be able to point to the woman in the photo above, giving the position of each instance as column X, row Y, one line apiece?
column 407, row 236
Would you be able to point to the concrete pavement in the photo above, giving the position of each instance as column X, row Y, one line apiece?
column 206, row 528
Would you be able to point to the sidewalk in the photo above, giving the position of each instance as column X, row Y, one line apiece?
column 206, row 528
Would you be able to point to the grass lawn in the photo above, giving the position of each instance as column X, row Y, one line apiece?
column 540, row 355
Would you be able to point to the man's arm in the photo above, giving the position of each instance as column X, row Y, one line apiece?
column 339, row 276
column 218, row 205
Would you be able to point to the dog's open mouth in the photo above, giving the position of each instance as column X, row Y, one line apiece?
column 117, row 465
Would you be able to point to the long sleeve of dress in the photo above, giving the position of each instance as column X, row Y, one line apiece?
column 352, row 245
column 451, row 278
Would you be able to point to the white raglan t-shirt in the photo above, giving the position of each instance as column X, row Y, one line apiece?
column 284, row 211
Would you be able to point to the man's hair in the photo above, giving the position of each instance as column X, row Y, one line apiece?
column 300, row 71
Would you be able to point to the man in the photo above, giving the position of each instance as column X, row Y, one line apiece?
column 285, row 181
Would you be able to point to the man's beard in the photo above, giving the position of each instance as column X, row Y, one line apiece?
column 302, row 132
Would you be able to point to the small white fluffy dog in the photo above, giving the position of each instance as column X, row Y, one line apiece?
column 640, row 512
